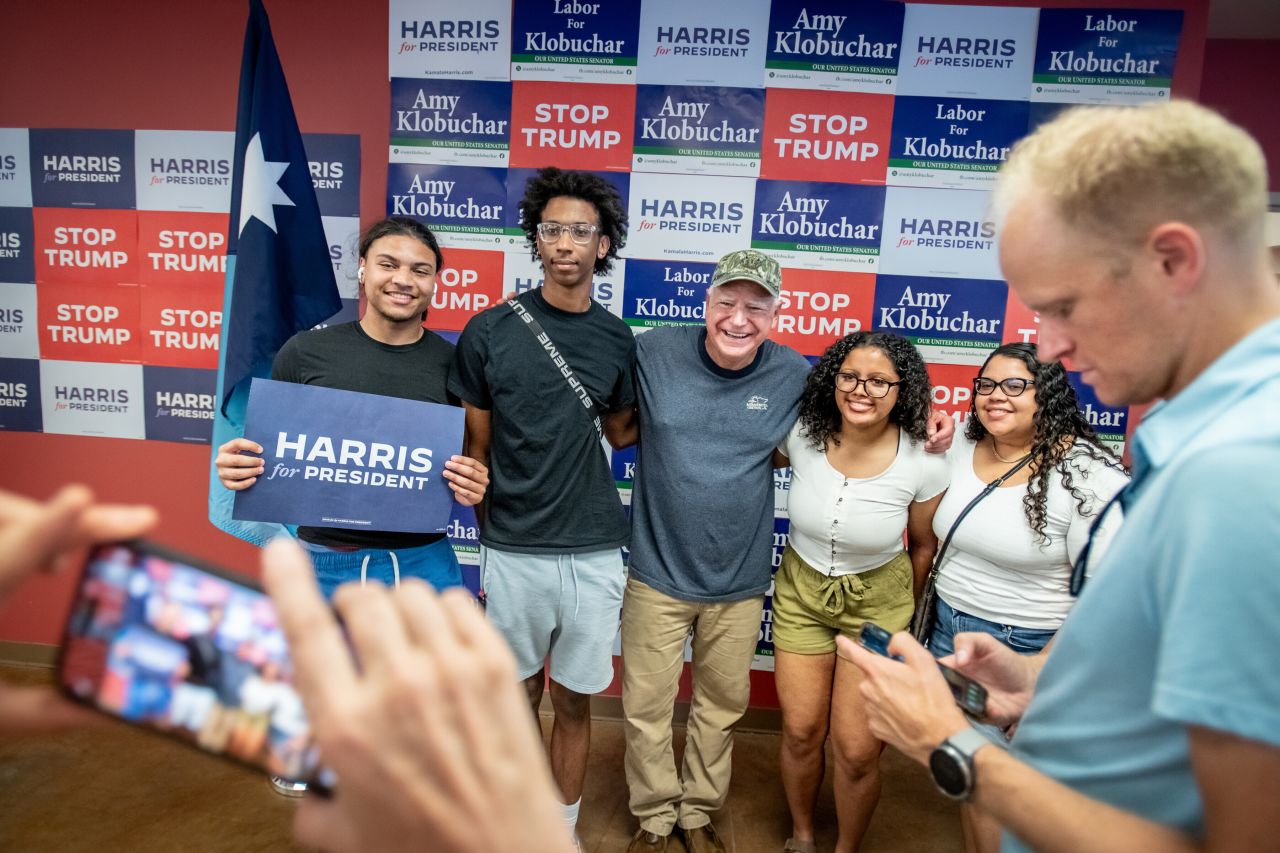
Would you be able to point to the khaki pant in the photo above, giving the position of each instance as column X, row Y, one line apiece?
column 654, row 629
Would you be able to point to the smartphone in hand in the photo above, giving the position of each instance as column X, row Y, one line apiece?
column 179, row 647
column 969, row 694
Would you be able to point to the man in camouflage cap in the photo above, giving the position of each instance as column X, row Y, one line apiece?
column 715, row 400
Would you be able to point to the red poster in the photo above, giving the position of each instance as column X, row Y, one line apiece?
column 88, row 322
column 573, row 125
column 953, row 389
column 818, row 307
column 180, row 324
column 839, row 137
column 86, row 246
column 470, row 282
column 182, row 248
column 1021, row 324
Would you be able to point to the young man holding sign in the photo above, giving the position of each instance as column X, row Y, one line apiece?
column 542, row 379
column 386, row 352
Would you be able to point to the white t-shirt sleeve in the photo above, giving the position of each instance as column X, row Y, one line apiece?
column 793, row 443
column 935, row 475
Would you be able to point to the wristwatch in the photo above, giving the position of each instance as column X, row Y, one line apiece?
column 951, row 763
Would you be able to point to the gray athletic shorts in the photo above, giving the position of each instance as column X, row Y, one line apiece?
column 563, row 606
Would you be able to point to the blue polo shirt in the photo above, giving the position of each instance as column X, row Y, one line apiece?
column 1179, row 624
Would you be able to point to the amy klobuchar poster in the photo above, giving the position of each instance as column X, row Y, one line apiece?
column 345, row 459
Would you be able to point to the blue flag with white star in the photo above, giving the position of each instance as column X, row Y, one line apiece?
column 279, row 276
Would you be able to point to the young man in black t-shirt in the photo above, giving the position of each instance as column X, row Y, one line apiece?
column 386, row 352
column 552, row 524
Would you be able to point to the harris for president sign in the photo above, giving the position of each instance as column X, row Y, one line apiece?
column 344, row 459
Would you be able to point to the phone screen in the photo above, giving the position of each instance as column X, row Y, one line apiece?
column 187, row 651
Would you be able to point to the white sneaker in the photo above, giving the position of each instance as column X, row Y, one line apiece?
column 288, row 787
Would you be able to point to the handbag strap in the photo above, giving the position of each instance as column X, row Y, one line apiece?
column 990, row 487
column 561, row 365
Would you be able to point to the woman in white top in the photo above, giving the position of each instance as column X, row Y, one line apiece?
column 1007, row 569
column 860, row 477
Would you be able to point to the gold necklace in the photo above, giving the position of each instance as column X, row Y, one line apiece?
column 996, row 451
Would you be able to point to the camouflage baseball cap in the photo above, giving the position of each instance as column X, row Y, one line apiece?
column 749, row 265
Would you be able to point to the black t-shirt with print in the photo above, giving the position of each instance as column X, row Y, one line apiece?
column 551, row 489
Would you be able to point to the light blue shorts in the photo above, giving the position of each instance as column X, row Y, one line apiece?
column 563, row 606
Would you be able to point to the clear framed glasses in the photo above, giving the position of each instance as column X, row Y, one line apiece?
column 1012, row 387
column 873, row 385
column 579, row 232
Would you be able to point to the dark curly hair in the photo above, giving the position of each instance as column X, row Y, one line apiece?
column 401, row 226
column 552, row 183
column 1057, row 417
column 820, row 418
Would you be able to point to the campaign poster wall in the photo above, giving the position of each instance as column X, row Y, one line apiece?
column 856, row 143
column 113, row 259
column 853, row 141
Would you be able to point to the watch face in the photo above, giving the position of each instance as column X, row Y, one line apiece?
column 950, row 772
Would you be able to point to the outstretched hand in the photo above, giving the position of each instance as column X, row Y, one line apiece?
column 42, row 537
column 430, row 737
column 1010, row 678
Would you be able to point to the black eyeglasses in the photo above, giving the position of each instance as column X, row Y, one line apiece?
column 874, row 386
column 580, row 232
column 1080, row 568
column 1013, row 386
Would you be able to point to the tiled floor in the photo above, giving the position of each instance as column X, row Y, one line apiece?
column 115, row 789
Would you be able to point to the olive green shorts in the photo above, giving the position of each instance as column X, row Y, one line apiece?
column 810, row 608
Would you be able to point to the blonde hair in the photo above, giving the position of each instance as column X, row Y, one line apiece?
column 1117, row 172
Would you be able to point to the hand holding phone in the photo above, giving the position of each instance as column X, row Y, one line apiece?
column 165, row 642
column 969, row 694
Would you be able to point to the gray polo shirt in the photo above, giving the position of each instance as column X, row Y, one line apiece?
column 702, row 503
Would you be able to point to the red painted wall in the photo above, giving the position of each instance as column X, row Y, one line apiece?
column 174, row 65
column 1238, row 82
column 171, row 65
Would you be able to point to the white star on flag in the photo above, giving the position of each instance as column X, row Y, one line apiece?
column 260, row 189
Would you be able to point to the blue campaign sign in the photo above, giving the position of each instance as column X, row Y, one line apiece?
column 1111, row 423
column 707, row 121
column 17, row 250
column 20, row 395
column 334, row 162
column 465, row 204
column 805, row 216
column 343, row 459
column 665, row 293
column 82, row 168
column 1113, row 47
column 955, row 133
column 781, row 536
column 577, row 32
column 437, row 120
column 623, row 463
column 179, row 403
column 941, row 311
column 1043, row 112
column 823, row 35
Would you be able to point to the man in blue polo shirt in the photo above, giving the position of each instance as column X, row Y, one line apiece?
column 1154, row 721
